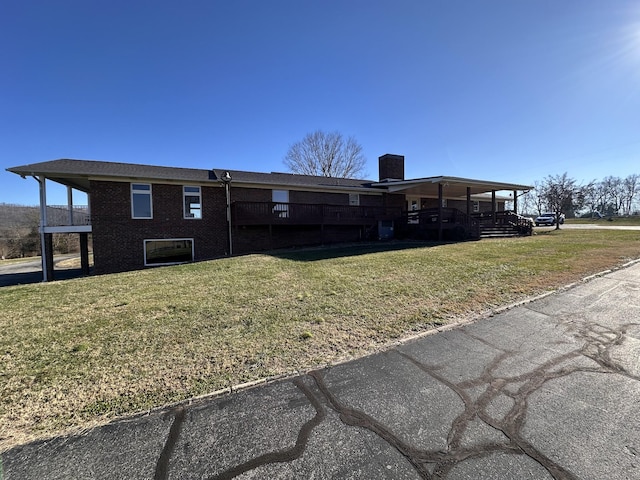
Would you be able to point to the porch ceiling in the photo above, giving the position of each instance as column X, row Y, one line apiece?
column 451, row 186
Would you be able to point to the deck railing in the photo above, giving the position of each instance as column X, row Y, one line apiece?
column 432, row 223
column 524, row 225
column 274, row 213
column 62, row 216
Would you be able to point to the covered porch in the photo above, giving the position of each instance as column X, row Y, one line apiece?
column 453, row 208
column 67, row 218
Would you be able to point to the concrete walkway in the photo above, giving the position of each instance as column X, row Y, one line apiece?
column 549, row 389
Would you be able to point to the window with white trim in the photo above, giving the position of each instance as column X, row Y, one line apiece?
column 168, row 251
column 280, row 199
column 476, row 206
column 141, row 205
column 354, row 199
column 192, row 202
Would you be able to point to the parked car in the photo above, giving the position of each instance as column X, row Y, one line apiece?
column 548, row 218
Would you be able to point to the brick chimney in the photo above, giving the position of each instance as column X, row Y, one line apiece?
column 391, row 167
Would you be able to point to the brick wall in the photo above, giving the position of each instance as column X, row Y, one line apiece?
column 118, row 240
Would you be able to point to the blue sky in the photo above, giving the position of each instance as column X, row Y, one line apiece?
column 499, row 90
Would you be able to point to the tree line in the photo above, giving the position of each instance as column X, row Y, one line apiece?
column 611, row 196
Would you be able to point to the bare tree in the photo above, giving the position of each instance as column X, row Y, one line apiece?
column 613, row 193
column 630, row 189
column 327, row 155
column 561, row 193
column 538, row 197
column 528, row 202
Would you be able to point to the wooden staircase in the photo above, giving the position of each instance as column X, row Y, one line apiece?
column 505, row 224
column 498, row 231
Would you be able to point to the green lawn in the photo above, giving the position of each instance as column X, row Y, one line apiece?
column 75, row 353
column 608, row 221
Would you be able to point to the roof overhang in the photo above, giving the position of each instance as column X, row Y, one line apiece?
column 451, row 186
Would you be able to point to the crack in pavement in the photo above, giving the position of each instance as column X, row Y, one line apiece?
column 282, row 455
column 162, row 466
column 598, row 342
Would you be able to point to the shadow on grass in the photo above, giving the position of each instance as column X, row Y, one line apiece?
column 24, row 278
column 312, row 254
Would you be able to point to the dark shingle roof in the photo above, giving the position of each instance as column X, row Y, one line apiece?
column 77, row 172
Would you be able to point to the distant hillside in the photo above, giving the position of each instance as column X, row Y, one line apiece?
column 18, row 216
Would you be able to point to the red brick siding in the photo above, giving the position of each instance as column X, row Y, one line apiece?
column 118, row 240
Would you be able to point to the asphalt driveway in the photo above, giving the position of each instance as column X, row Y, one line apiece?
column 30, row 271
column 548, row 389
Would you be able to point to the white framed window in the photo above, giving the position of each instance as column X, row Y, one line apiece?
column 476, row 206
column 141, row 204
column 192, row 197
column 280, row 198
column 444, row 203
column 169, row 251
column 354, row 199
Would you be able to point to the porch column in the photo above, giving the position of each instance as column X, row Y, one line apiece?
column 440, row 196
column 515, row 201
column 46, row 241
column 468, row 201
column 84, row 253
column 493, row 206
column 47, row 258
column 70, row 204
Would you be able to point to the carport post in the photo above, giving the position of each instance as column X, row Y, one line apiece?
column 493, row 206
column 440, row 212
column 46, row 244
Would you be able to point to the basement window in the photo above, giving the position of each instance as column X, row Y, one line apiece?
column 168, row 251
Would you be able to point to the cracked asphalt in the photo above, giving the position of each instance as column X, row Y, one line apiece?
column 546, row 390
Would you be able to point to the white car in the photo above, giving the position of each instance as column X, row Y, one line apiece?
column 548, row 218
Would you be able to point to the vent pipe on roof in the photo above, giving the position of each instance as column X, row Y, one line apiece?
column 391, row 167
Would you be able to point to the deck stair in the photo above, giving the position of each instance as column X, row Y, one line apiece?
column 499, row 231
column 504, row 224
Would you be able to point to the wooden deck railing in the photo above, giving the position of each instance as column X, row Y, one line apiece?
column 426, row 221
column 524, row 225
column 273, row 213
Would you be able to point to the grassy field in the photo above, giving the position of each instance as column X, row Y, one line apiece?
column 77, row 353
column 613, row 221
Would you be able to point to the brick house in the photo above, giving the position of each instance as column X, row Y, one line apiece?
column 142, row 215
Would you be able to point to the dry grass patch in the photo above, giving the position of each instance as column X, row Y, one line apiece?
column 79, row 352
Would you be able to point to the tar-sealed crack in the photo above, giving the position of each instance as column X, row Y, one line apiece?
column 437, row 464
column 286, row 455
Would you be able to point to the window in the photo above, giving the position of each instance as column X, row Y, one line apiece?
column 192, row 202
column 141, row 200
column 280, row 199
column 168, row 252
column 476, row 206
column 444, row 203
column 354, row 199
